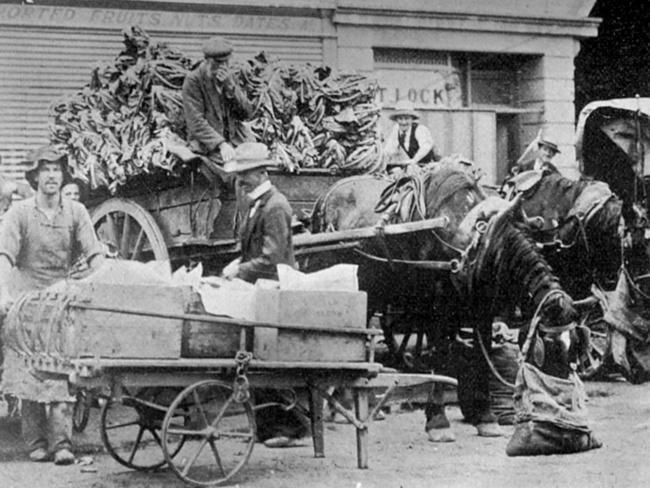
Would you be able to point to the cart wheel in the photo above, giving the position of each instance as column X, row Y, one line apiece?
column 219, row 436
column 129, row 230
column 81, row 411
column 130, row 429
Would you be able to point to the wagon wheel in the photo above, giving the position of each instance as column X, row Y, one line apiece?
column 81, row 411
column 130, row 429
column 409, row 324
column 129, row 230
column 219, row 436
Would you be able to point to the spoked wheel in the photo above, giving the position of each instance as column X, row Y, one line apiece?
column 130, row 429
column 129, row 230
column 219, row 436
column 81, row 411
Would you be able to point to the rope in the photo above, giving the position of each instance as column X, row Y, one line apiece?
column 531, row 331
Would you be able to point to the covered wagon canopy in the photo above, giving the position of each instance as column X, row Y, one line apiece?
column 616, row 121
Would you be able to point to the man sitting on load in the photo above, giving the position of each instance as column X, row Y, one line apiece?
column 408, row 139
column 214, row 104
column 265, row 242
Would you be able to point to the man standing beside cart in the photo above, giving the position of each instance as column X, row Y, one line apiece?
column 265, row 242
column 41, row 238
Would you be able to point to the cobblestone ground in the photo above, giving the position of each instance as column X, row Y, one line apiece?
column 400, row 456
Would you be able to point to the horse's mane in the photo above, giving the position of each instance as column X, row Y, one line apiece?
column 509, row 270
column 443, row 182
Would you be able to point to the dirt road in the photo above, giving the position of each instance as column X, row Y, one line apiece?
column 400, row 456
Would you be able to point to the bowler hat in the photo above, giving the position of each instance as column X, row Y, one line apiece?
column 42, row 155
column 217, row 47
column 404, row 108
column 549, row 144
column 249, row 155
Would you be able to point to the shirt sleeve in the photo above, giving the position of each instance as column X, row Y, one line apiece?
column 391, row 145
column 11, row 234
column 423, row 136
column 87, row 241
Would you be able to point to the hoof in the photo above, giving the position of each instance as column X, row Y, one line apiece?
column 40, row 455
column 63, row 457
column 491, row 429
column 441, row 435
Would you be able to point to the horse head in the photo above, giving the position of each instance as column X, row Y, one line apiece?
column 507, row 270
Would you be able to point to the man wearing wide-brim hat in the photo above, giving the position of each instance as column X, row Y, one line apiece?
column 409, row 142
column 265, row 238
column 544, row 150
column 215, row 104
column 41, row 238
column 265, row 233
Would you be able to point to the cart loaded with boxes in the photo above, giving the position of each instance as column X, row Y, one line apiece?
column 176, row 381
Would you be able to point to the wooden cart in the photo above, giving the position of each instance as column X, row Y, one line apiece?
column 189, row 216
column 196, row 416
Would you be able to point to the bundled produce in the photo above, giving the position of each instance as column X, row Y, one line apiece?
column 122, row 123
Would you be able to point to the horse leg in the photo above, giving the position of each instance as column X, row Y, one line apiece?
column 478, row 380
column 437, row 424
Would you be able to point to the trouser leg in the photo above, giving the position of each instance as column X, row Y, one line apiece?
column 34, row 424
column 275, row 421
column 60, row 425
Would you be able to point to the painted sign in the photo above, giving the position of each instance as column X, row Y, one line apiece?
column 425, row 88
column 105, row 18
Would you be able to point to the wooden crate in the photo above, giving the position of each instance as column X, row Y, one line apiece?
column 344, row 313
column 97, row 333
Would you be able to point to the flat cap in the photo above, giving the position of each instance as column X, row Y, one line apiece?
column 217, row 47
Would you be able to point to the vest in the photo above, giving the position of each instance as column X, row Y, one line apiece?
column 414, row 146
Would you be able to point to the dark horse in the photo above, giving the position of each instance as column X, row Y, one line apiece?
column 578, row 224
column 492, row 265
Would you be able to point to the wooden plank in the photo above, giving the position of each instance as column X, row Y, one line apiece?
column 96, row 332
column 361, row 411
column 316, row 418
column 307, row 346
column 369, row 232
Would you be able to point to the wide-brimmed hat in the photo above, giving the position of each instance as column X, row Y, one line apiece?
column 217, row 47
column 42, row 155
column 551, row 145
column 404, row 108
column 249, row 155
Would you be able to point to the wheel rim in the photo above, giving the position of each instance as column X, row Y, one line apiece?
column 129, row 230
column 219, row 436
column 131, row 430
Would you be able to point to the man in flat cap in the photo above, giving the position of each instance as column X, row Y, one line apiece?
column 215, row 104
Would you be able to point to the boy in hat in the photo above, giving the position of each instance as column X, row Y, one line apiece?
column 40, row 239
column 409, row 138
column 214, row 104
column 265, row 242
